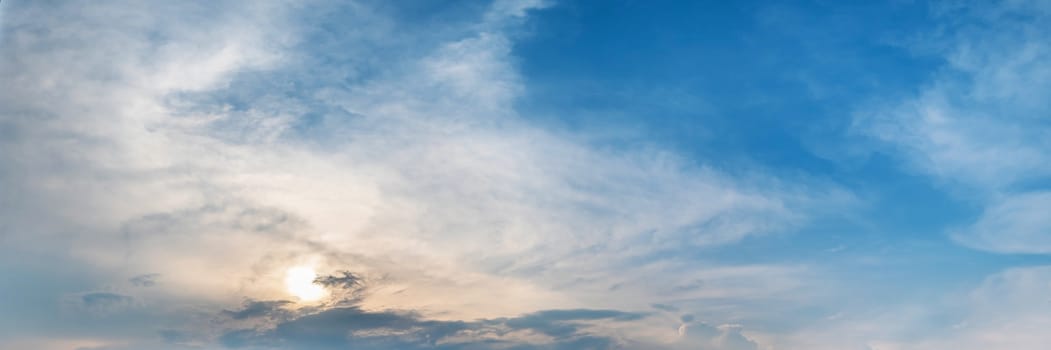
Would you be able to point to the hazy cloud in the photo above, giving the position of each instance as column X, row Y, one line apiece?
column 146, row 280
column 356, row 328
column 252, row 309
column 218, row 145
column 979, row 126
column 104, row 299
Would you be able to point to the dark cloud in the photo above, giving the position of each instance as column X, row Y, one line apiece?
column 254, row 309
column 664, row 307
column 104, row 299
column 346, row 327
column 146, row 280
column 342, row 279
column 560, row 323
column 352, row 327
column 100, row 303
column 148, row 346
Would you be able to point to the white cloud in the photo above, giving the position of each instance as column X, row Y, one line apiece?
column 1009, row 310
column 1017, row 223
column 980, row 127
column 128, row 155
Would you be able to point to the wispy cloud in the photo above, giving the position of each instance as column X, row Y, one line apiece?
column 146, row 280
column 979, row 126
column 219, row 144
column 979, row 129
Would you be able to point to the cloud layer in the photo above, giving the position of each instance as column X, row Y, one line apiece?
column 980, row 126
column 163, row 166
column 200, row 150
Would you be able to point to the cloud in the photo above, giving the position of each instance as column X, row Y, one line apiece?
column 340, row 328
column 1017, row 223
column 104, row 299
column 1007, row 310
column 218, row 144
column 253, row 309
column 99, row 304
column 664, row 307
column 979, row 127
column 343, row 279
column 430, row 161
column 146, row 280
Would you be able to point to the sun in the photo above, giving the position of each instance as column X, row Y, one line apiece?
column 299, row 281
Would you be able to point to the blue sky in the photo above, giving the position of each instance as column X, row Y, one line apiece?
column 525, row 174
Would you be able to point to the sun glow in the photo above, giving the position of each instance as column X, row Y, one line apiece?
column 299, row 281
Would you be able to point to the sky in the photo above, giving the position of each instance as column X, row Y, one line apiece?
column 525, row 174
